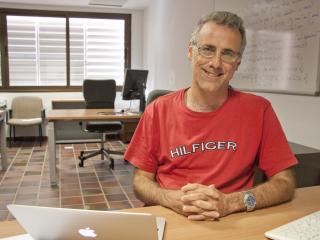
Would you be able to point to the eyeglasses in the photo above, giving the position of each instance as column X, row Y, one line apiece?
column 226, row 55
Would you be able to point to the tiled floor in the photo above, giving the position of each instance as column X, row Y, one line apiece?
column 93, row 187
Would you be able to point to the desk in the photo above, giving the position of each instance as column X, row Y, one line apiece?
column 3, row 141
column 240, row 226
column 78, row 115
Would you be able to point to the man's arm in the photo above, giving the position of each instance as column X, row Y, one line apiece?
column 202, row 202
column 148, row 190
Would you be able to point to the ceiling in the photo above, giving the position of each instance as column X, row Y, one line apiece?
column 129, row 4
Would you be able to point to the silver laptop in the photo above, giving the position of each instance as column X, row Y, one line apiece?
column 63, row 223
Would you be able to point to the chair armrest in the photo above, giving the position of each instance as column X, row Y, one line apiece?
column 8, row 114
column 43, row 114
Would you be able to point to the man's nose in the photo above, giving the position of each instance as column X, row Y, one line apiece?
column 216, row 60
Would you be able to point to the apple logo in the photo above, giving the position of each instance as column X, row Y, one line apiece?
column 87, row 232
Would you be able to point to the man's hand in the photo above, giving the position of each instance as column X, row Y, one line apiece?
column 202, row 202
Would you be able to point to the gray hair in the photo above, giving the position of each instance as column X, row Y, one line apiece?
column 225, row 19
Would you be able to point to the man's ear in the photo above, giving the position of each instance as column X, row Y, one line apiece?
column 190, row 48
column 238, row 64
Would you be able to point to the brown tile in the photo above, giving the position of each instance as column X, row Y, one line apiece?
column 7, row 190
column 92, row 191
column 112, row 190
column 49, row 202
column 70, row 193
column 26, row 196
column 120, row 205
column 116, row 197
column 49, row 194
column 97, row 206
column 3, row 215
column 71, row 200
column 90, row 185
column 109, row 184
column 94, row 199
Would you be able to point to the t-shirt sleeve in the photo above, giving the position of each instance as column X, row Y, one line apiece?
column 142, row 149
column 275, row 153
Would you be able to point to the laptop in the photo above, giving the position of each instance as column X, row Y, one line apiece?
column 62, row 223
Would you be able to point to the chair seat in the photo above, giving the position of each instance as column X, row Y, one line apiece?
column 24, row 122
column 102, row 127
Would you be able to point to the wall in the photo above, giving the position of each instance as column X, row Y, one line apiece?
column 168, row 28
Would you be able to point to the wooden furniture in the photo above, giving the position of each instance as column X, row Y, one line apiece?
column 70, row 131
column 3, row 141
column 307, row 172
column 66, row 115
column 308, row 169
column 240, row 226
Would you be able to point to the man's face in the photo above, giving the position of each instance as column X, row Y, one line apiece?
column 213, row 74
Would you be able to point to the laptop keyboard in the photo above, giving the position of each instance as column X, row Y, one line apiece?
column 305, row 228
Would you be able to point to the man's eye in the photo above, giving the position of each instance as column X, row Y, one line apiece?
column 228, row 53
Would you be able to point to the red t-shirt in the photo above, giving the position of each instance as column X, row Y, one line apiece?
column 220, row 147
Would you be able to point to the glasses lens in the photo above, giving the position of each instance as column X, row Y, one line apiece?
column 207, row 51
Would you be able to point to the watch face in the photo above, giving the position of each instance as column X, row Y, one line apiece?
column 251, row 201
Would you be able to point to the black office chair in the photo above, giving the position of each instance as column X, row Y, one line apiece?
column 154, row 94
column 100, row 94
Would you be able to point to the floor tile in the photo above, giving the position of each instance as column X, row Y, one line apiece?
column 94, row 186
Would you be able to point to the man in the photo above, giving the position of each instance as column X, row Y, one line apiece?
column 195, row 149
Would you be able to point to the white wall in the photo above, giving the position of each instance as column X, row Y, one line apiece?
column 168, row 28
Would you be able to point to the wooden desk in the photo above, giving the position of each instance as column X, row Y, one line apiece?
column 3, row 141
column 240, row 226
column 78, row 115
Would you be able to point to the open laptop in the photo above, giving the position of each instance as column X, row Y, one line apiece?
column 62, row 223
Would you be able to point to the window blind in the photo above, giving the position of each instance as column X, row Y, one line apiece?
column 37, row 51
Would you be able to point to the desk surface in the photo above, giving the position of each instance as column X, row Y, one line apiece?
column 90, row 114
column 248, row 226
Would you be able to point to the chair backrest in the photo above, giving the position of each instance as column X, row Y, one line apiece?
column 99, row 93
column 154, row 94
column 26, row 107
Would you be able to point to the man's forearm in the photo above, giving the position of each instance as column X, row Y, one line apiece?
column 279, row 189
column 151, row 193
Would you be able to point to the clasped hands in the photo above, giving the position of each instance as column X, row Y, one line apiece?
column 200, row 202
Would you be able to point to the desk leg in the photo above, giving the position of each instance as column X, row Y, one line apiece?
column 52, row 154
column 3, row 147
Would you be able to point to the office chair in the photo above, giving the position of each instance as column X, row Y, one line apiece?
column 154, row 94
column 25, row 111
column 100, row 94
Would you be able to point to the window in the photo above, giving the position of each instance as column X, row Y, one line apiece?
column 96, row 49
column 52, row 51
column 37, row 51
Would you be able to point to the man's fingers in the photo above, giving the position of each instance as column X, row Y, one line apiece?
column 196, row 217
column 211, row 214
column 191, row 209
column 193, row 196
column 190, row 187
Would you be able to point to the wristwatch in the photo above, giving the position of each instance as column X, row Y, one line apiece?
column 249, row 201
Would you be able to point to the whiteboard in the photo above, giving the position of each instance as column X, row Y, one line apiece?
column 282, row 52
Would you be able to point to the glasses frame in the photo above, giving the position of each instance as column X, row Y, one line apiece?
column 214, row 54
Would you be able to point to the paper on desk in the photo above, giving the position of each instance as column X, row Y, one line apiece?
column 19, row 237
